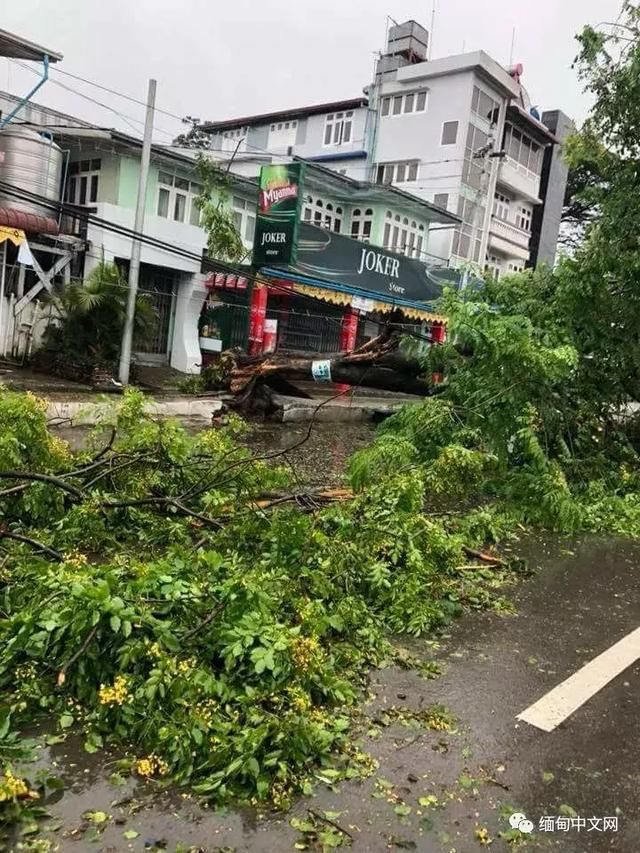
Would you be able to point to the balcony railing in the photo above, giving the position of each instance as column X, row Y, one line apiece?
column 519, row 179
column 508, row 239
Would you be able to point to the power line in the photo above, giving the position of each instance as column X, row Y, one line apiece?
column 213, row 265
column 126, row 118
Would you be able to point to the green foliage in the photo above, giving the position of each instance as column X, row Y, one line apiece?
column 231, row 662
column 92, row 314
column 216, row 217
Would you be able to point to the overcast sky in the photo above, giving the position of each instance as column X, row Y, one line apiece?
column 218, row 59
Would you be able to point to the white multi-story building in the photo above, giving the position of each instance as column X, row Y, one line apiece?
column 459, row 132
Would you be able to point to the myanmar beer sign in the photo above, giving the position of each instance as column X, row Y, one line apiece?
column 279, row 202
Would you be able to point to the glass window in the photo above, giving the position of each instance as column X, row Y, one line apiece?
column 396, row 234
column 317, row 217
column 179, row 207
column 194, row 214
column 237, row 220
column 95, row 165
column 71, row 190
column 366, row 229
column 449, row 133
column 85, row 165
column 165, row 178
column 239, row 203
column 346, row 134
column 386, row 104
column 413, row 172
column 441, row 199
column 74, row 168
column 83, row 191
column 419, row 246
column 400, row 172
column 327, row 134
column 250, row 229
column 397, row 105
column 388, row 174
column 387, row 234
column 408, row 103
column 163, row 203
column 181, row 184
column 421, row 102
column 93, row 191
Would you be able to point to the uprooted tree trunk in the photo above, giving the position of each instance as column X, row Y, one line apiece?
column 377, row 364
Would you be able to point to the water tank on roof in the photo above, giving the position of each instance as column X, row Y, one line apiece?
column 29, row 162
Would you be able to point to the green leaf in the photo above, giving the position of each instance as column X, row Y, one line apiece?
column 65, row 721
column 130, row 834
column 402, row 809
column 253, row 767
column 96, row 817
column 115, row 623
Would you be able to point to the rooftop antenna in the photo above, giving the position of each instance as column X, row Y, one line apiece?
column 513, row 44
column 433, row 26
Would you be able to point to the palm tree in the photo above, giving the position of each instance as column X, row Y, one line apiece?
column 92, row 314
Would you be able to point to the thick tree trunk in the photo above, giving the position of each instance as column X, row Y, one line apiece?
column 379, row 364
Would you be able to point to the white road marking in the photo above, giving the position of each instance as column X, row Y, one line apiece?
column 554, row 707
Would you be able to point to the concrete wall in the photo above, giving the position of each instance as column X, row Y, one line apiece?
column 546, row 218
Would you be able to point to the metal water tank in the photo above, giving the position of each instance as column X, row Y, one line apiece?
column 33, row 163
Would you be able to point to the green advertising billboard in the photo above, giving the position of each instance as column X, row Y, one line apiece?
column 279, row 201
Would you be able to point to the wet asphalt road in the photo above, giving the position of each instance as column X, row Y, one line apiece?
column 578, row 604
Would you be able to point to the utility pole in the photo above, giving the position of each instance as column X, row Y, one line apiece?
column 136, row 248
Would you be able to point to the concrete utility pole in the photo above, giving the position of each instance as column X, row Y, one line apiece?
column 136, row 248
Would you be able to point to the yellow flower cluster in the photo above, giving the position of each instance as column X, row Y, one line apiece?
column 304, row 651
column 75, row 561
column 26, row 672
column 299, row 699
column 12, row 788
column 117, row 694
column 155, row 651
column 186, row 666
column 151, row 766
column 280, row 795
column 205, row 710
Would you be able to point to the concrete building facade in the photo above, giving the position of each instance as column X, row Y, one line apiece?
column 458, row 131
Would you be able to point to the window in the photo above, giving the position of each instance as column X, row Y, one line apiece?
column 179, row 207
column 177, row 197
column 83, row 182
column 441, row 200
column 244, row 218
column 163, row 202
column 522, row 149
column 403, row 235
column 283, row 135
column 485, row 106
column 412, row 102
column 449, row 133
column 338, row 128
column 236, row 138
column 523, row 219
column 467, row 239
column 501, row 207
column 397, row 173
column 361, row 223
column 323, row 214
column 474, row 165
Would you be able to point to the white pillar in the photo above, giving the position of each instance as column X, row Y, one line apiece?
column 185, row 349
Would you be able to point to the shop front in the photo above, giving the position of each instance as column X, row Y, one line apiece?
column 313, row 290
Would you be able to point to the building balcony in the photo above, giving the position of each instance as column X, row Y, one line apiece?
column 507, row 239
column 519, row 181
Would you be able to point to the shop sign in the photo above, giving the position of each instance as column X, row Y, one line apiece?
column 278, row 217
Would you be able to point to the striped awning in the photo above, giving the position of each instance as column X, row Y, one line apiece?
column 364, row 300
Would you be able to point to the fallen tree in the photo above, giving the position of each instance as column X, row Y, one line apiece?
column 378, row 364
